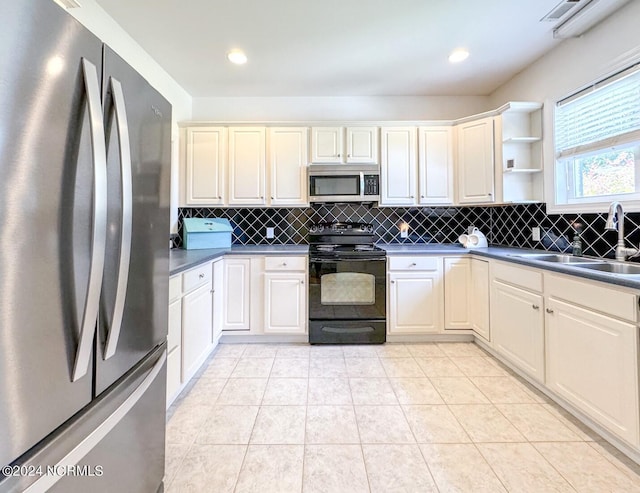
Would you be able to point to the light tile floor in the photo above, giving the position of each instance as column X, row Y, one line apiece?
column 443, row 417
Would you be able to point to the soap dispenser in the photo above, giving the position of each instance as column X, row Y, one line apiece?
column 577, row 240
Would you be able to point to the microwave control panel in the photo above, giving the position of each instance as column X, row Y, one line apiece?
column 371, row 185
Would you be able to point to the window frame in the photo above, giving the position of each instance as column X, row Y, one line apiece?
column 558, row 181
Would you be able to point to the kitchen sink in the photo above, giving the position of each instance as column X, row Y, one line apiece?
column 613, row 268
column 558, row 258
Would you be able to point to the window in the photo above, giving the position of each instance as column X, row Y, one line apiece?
column 597, row 142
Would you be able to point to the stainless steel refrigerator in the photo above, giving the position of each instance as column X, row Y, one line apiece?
column 84, row 221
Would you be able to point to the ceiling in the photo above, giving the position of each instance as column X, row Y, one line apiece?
column 338, row 47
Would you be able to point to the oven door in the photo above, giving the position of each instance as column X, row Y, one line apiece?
column 347, row 300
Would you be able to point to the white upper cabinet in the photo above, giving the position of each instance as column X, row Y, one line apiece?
column 328, row 145
column 398, row 166
column 205, row 162
column 362, row 145
column 475, row 161
column 435, row 158
column 247, row 165
column 288, row 157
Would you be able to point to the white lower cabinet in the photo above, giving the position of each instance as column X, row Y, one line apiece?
column 236, row 308
column 197, row 316
column 285, row 302
column 265, row 295
column 592, row 362
column 517, row 327
column 457, row 293
column 218, row 300
column 480, row 298
column 194, row 322
column 415, row 292
column 174, row 357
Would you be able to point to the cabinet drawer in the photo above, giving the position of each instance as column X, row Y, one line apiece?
column 415, row 263
column 518, row 276
column 196, row 277
column 615, row 302
column 174, row 335
column 285, row 263
column 175, row 287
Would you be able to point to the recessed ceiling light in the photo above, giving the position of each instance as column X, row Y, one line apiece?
column 237, row 56
column 458, row 55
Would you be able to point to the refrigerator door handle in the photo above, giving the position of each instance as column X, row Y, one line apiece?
column 73, row 458
column 126, row 207
column 99, row 227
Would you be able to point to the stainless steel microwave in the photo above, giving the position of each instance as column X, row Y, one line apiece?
column 344, row 183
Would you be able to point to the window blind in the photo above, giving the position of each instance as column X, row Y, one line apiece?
column 604, row 117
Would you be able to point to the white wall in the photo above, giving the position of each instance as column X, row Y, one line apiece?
column 94, row 18
column 575, row 63
column 338, row 108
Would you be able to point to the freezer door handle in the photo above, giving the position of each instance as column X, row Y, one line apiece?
column 99, row 227
column 122, row 126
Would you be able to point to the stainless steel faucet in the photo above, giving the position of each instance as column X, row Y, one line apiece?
column 615, row 221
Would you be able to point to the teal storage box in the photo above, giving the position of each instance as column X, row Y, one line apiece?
column 206, row 233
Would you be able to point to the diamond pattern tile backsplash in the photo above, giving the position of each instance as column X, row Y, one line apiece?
column 503, row 225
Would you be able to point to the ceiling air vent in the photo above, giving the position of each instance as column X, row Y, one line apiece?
column 561, row 9
column 575, row 17
column 68, row 4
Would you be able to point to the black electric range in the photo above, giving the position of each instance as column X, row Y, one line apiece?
column 347, row 285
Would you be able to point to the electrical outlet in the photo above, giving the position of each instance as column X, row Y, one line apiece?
column 270, row 233
column 535, row 233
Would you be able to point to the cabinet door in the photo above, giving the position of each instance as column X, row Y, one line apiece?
column 288, row 157
column 475, row 161
column 457, row 293
column 327, row 144
column 218, row 301
column 415, row 301
column 592, row 361
column 285, row 303
column 480, row 298
column 205, row 162
column 247, row 166
column 236, row 294
column 196, row 329
column 398, row 166
column 435, row 165
column 362, row 145
column 517, row 327
column 174, row 378
column 174, row 334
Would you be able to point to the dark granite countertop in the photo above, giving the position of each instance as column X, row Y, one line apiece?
column 509, row 254
column 423, row 248
column 181, row 260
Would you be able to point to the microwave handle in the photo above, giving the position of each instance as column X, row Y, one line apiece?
column 362, row 184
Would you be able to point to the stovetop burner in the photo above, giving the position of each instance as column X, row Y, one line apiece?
column 343, row 240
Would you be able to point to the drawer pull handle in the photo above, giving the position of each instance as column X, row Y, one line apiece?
column 393, row 282
column 413, row 264
column 549, row 310
column 284, row 264
column 212, row 291
column 201, row 276
column 535, row 307
column 301, row 282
